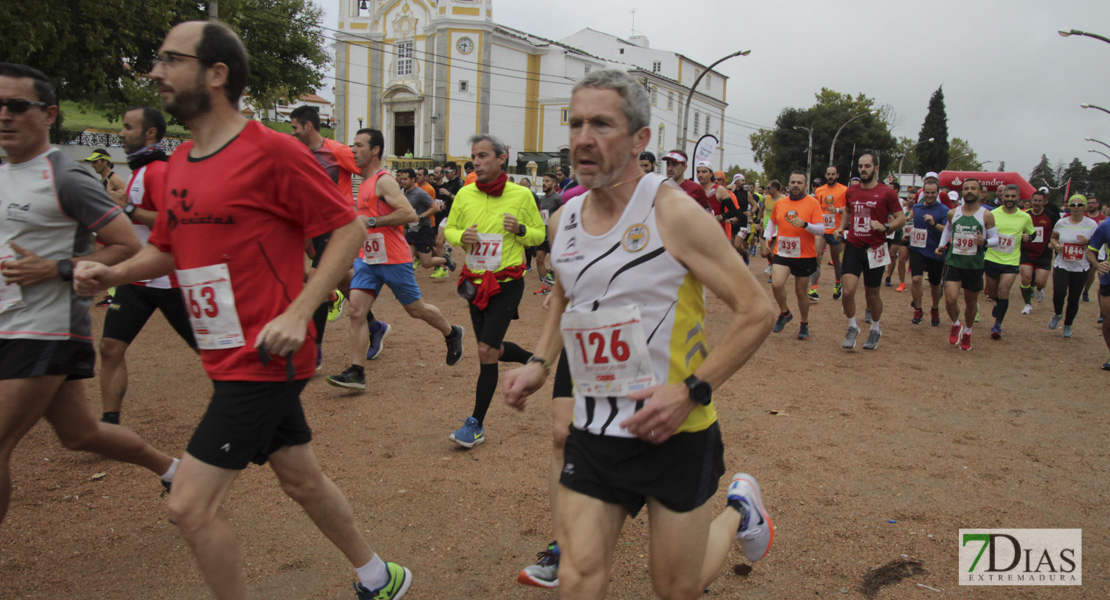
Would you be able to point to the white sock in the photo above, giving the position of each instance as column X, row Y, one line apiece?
column 967, row 330
column 168, row 475
column 852, row 323
column 373, row 574
column 875, row 326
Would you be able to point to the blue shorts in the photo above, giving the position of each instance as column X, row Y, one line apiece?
column 400, row 279
column 831, row 239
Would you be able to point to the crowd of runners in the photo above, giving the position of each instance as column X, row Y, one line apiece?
column 217, row 238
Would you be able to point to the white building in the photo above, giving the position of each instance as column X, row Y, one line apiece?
column 431, row 73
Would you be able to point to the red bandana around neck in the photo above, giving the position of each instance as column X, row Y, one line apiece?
column 495, row 187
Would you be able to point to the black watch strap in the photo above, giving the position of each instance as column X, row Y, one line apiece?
column 65, row 269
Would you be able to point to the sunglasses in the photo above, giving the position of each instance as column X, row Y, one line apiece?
column 21, row 106
column 1077, row 206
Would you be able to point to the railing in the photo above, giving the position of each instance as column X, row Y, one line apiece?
column 92, row 137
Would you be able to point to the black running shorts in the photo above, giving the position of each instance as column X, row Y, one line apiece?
column 247, row 421
column 423, row 239
column 319, row 244
column 920, row 264
column 855, row 263
column 1104, row 290
column 1042, row 262
column 492, row 323
column 132, row 305
column 995, row 270
column 799, row 267
column 564, row 385
column 20, row 359
column 681, row 473
column 971, row 279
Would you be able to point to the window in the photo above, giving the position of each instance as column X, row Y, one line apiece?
column 622, row 50
column 654, row 95
column 464, row 86
column 670, row 100
column 697, row 73
column 662, row 132
column 587, row 69
column 657, row 67
column 404, row 58
column 565, row 116
column 708, row 82
column 697, row 122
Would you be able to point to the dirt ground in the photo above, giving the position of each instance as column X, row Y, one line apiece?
column 863, row 457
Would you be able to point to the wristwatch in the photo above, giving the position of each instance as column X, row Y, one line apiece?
column 129, row 210
column 372, row 222
column 700, row 391
column 65, row 269
column 542, row 362
column 523, row 229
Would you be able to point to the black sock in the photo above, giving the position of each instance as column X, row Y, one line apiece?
column 320, row 320
column 510, row 352
column 483, row 393
column 741, row 508
column 359, row 369
column 110, row 417
column 451, row 336
column 1001, row 306
column 370, row 320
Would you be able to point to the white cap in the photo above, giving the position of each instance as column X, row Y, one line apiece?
column 953, row 196
column 932, row 174
column 675, row 157
column 704, row 163
column 738, row 177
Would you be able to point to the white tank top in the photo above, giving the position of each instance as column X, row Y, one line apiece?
column 624, row 269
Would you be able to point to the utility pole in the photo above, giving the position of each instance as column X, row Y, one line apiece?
column 213, row 10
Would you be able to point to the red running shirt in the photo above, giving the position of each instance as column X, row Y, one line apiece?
column 251, row 205
column 391, row 239
column 877, row 204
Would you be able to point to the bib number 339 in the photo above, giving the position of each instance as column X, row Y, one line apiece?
column 607, row 351
column 211, row 306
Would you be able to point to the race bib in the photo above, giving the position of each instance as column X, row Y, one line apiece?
column 11, row 294
column 861, row 224
column 963, row 244
column 907, row 231
column 919, row 237
column 544, row 214
column 373, row 249
column 211, row 306
column 789, row 247
column 607, row 351
column 1038, row 235
column 1006, row 244
column 486, row 254
column 878, row 256
column 1073, row 251
column 830, row 221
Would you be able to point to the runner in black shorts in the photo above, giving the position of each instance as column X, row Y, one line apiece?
column 1036, row 256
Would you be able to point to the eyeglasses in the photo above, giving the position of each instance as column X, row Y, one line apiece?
column 21, row 106
column 170, row 58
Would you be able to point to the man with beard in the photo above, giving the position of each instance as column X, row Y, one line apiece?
column 445, row 193
column 1001, row 263
column 831, row 198
column 871, row 210
column 134, row 303
column 548, row 203
column 971, row 230
column 794, row 224
column 239, row 193
column 647, row 162
column 1036, row 258
column 644, row 428
column 676, row 170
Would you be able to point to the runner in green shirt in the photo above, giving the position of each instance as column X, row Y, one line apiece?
column 1002, row 262
column 971, row 230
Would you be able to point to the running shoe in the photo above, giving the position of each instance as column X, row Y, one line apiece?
column 1086, row 298
column 1067, row 331
column 813, row 296
column 400, row 579
column 872, row 340
column 803, row 332
column 918, row 315
column 996, row 332
column 350, row 379
column 1106, row 365
column 543, row 291
column 901, row 287
column 438, row 273
column 783, row 319
column 934, row 317
column 756, row 530
column 455, row 345
column 450, row 261
column 1054, row 322
column 319, row 358
column 107, row 301
column 954, row 335
column 550, row 277
column 335, row 308
column 545, row 573
column 977, row 316
column 416, row 265
column 470, row 434
column 965, row 341
column 887, row 282
column 378, row 332
column 867, row 315
column 850, row 337
column 111, row 418
column 767, row 271
column 1040, row 295
column 1101, row 318
column 838, row 291
column 1028, row 310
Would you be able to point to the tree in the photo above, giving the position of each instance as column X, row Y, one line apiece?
column 1099, row 181
column 963, row 158
column 1077, row 174
column 1043, row 175
column 750, row 175
column 783, row 149
column 934, row 155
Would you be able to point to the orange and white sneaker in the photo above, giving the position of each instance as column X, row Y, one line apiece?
column 901, row 287
column 756, row 529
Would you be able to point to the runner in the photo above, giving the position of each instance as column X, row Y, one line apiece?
column 548, row 204
column 1036, row 260
column 238, row 193
column 1000, row 266
column 495, row 220
column 774, row 193
column 971, row 230
column 676, row 170
column 422, row 234
column 831, row 199
column 929, row 219
column 52, row 208
column 647, row 162
column 385, row 260
column 794, row 223
column 101, row 162
column 718, row 196
column 1069, row 239
column 134, row 303
column 1095, row 215
column 871, row 210
column 446, row 194
column 1098, row 255
column 901, row 254
column 667, row 454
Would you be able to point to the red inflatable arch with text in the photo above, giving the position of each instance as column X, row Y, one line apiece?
column 990, row 180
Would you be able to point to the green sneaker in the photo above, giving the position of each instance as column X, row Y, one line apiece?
column 400, row 579
column 336, row 307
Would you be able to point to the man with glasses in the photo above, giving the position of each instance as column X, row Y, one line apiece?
column 238, row 193
column 52, row 208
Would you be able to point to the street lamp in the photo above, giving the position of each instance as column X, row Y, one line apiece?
column 690, row 95
column 1099, row 141
column 1093, row 106
column 1083, row 33
column 904, row 160
column 809, row 154
column 832, row 149
column 1100, row 152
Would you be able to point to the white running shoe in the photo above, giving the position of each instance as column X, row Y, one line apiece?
column 1027, row 310
column 1040, row 295
column 758, row 532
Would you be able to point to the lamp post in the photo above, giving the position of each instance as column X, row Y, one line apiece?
column 1084, row 34
column 832, row 149
column 1100, row 152
column 1093, row 106
column 690, row 95
column 1099, row 141
column 903, row 159
column 809, row 154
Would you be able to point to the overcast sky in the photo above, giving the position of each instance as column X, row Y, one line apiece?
column 1012, row 85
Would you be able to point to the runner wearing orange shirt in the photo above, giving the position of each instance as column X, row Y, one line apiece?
column 796, row 221
column 830, row 197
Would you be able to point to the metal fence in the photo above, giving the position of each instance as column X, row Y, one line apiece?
column 104, row 139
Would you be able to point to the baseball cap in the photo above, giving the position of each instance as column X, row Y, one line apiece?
column 648, row 156
column 1043, row 188
column 704, row 164
column 932, row 174
column 953, row 196
column 817, row 181
column 675, row 156
column 738, row 177
column 98, row 154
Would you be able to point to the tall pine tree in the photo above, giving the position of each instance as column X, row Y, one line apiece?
column 933, row 156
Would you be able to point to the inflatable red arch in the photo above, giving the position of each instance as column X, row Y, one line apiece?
column 990, row 180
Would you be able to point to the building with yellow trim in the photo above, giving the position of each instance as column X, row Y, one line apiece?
column 431, row 73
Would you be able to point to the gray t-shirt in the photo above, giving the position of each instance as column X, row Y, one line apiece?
column 51, row 206
column 421, row 202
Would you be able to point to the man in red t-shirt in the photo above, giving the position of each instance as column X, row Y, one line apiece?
column 239, row 194
column 795, row 222
column 676, row 170
column 871, row 210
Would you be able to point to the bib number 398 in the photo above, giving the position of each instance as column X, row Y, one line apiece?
column 607, row 351
column 211, row 305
